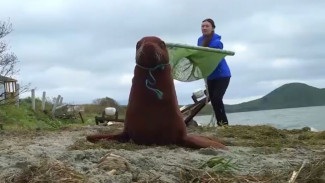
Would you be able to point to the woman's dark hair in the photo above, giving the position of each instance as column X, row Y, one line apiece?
column 207, row 40
column 210, row 21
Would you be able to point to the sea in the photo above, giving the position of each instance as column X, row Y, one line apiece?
column 290, row 118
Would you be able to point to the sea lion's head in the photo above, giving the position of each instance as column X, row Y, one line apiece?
column 151, row 51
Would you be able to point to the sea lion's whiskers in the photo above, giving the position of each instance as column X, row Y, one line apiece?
column 158, row 56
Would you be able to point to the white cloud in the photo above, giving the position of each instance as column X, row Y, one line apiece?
column 284, row 63
column 126, row 79
column 239, row 47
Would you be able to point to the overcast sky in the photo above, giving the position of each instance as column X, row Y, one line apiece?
column 85, row 50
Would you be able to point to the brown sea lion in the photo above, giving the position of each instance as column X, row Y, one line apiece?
column 153, row 115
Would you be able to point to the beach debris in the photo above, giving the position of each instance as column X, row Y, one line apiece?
column 109, row 115
column 296, row 173
column 47, row 171
column 113, row 164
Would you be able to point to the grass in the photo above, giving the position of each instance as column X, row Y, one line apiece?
column 266, row 140
column 47, row 171
column 84, row 145
column 220, row 165
column 312, row 173
column 116, row 128
column 24, row 118
column 263, row 136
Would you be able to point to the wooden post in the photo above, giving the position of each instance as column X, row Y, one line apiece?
column 17, row 94
column 33, row 99
column 54, row 105
column 43, row 101
column 61, row 100
column 13, row 84
column 82, row 119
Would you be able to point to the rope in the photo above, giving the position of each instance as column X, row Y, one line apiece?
column 152, row 81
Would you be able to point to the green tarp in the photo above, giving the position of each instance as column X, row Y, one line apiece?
column 190, row 63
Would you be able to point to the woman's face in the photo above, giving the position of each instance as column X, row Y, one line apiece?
column 206, row 28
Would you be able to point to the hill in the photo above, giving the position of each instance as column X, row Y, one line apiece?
column 287, row 96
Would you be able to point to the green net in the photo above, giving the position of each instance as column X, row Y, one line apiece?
column 190, row 63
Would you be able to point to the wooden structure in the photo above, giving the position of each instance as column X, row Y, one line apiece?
column 106, row 118
column 190, row 111
column 8, row 88
column 68, row 111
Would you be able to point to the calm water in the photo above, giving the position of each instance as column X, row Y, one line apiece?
column 293, row 118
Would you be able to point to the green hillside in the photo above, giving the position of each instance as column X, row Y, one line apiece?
column 287, row 96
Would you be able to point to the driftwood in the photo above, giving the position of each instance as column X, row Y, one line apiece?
column 190, row 111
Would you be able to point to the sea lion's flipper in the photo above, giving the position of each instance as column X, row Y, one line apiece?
column 122, row 137
column 194, row 141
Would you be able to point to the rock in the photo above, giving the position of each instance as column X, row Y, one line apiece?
column 114, row 164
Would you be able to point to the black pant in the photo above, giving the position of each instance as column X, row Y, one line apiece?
column 217, row 88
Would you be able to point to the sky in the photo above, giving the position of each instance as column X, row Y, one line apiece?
column 85, row 50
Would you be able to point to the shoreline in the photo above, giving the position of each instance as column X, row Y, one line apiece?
column 290, row 118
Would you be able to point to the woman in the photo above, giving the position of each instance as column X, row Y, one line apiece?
column 218, row 80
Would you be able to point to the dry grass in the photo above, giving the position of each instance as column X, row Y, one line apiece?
column 265, row 139
column 130, row 146
column 263, row 136
column 47, row 172
column 84, row 145
column 113, row 129
column 313, row 172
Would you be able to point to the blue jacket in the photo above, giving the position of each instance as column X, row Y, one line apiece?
column 222, row 70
